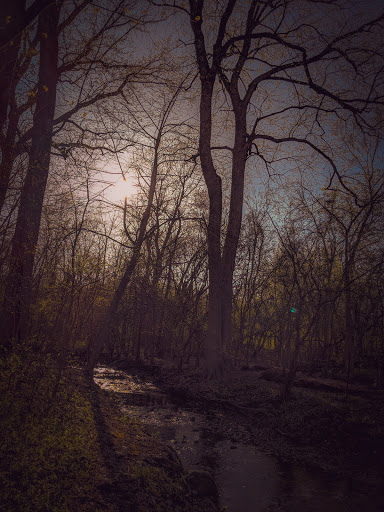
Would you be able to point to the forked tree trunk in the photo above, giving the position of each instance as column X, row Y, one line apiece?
column 213, row 342
column 239, row 159
column 221, row 261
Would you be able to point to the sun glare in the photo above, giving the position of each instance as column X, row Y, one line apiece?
column 121, row 189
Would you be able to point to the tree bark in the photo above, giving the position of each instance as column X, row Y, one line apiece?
column 17, row 19
column 349, row 331
column 12, row 13
column 235, row 219
column 213, row 345
column 18, row 295
column 221, row 263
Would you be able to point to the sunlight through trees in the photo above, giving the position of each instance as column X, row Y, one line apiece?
column 197, row 181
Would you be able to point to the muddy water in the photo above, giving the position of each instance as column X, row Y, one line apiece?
column 248, row 480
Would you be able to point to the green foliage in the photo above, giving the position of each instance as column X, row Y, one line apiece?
column 159, row 487
column 46, row 455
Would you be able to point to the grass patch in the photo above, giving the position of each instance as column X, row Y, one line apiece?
column 65, row 447
column 47, row 455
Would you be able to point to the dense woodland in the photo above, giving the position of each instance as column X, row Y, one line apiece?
column 193, row 181
column 250, row 133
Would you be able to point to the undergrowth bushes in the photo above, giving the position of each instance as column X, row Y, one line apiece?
column 47, row 435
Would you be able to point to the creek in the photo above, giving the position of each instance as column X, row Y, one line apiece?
column 248, row 480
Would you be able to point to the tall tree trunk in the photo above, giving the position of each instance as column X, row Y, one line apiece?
column 348, row 326
column 18, row 293
column 235, row 219
column 11, row 12
column 213, row 343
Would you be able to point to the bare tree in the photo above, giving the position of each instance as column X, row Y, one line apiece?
column 37, row 139
column 258, row 52
column 19, row 284
column 97, row 345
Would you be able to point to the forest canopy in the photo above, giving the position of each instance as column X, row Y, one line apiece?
column 199, row 181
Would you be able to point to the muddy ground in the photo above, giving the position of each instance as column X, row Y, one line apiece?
column 135, row 471
column 321, row 426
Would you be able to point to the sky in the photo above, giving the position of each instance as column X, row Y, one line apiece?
column 142, row 43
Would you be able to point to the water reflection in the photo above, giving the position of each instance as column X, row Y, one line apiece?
column 254, row 482
column 248, row 480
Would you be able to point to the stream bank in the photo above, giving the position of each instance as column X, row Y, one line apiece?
column 136, row 472
column 264, row 455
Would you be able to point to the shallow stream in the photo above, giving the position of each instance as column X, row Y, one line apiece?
column 248, row 480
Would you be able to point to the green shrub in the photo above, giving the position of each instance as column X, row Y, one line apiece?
column 47, row 435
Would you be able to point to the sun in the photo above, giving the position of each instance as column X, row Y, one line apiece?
column 122, row 188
